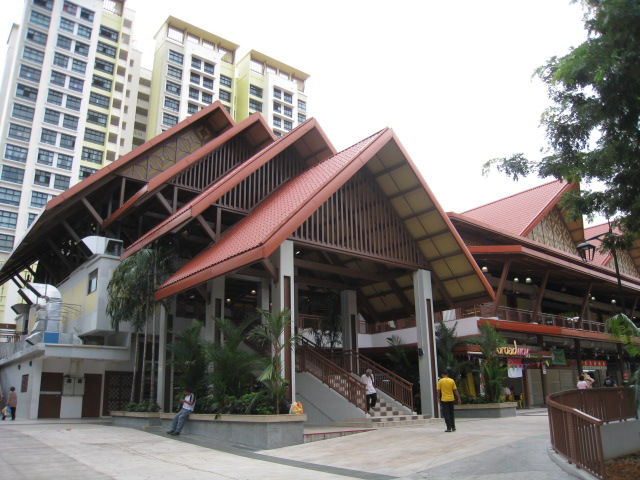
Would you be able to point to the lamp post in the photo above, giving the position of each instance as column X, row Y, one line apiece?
column 586, row 251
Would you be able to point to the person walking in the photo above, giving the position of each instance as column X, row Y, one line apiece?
column 12, row 402
column 609, row 381
column 188, row 404
column 448, row 393
column 372, row 396
column 582, row 383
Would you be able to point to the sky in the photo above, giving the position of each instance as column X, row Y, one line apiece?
column 453, row 79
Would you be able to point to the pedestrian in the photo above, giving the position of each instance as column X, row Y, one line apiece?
column 188, row 404
column 587, row 378
column 12, row 402
column 448, row 393
column 582, row 383
column 609, row 381
column 372, row 396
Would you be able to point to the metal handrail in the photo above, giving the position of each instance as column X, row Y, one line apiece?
column 390, row 383
column 575, row 418
column 339, row 380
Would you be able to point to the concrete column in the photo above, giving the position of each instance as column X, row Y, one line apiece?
column 426, row 341
column 263, row 295
column 162, row 356
column 215, row 308
column 348, row 315
column 283, row 295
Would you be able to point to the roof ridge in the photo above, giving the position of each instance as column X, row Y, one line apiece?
column 513, row 195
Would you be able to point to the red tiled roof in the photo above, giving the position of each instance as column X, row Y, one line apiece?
column 593, row 231
column 261, row 232
column 519, row 213
column 211, row 194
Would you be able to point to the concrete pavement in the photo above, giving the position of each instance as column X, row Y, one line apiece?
column 507, row 448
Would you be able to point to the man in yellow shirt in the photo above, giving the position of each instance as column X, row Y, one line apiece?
column 448, row 393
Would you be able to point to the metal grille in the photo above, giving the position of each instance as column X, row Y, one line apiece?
column 359, row 219
column 117, row 391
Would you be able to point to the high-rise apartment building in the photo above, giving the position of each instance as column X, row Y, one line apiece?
column 69, row 85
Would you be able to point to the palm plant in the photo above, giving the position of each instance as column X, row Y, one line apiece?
column 189, row 359
column 621, row 327
column 493, row 370
column 446, row 342
column 232, row 370
column 272, row 333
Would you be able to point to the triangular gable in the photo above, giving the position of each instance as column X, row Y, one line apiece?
column 552, row 230
column 626, row 262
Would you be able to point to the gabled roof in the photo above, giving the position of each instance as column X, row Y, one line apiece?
column 257, row 236
column 518, row 214
column 599, row 258
column 310, row 141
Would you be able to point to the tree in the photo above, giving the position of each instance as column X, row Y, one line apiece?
column 592, row 127
column 272, row 333
column 189, row 359
column 446, row 342
column 621, row 327
column 492, row 369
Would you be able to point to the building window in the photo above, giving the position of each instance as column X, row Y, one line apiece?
column 92, row 155
column 225, row 81
column 46, row 4
column 172, row 87
column 277, row 122
column 32, row 217
column 302, row 118
column 255, row 91
column 288, row 125
column 61, row 182
column 224, row 95
column 94, row 136
column 104, row 66
column 302, row 105
column 40, row 19
column 73, row 103
column 195, row 78
column 45, row 157
column 277, row 93
column 107, row 50
column 98, row 100
column 108, row 33
column 15, row 153
column 37, row 36
column 51, row 116
column 54, row 97
column 67, row 25
column 193, row 93
column 174, row 72
column 82, row 49
column 42, row 178
column 288, row 112
column 70, row 122
column 65, row 161
column 76, row 84
column 49, row 136
column 92, row 284
column 24, row 381
column 8, row 219
column 255, row 105
column 196, row 63
column 256, row 66
column 78, row 66
column 26, row 92
column 209, row 68
column 207, row 98
column 191, row 108
column 101, row 82
column 288, row 97
column 23, row 112
column 19, row 132
column 86, row 14
column 30, row 73
column 207, row 83
column 63, row 42
column 33, row 54
column 39, row 199
column 97, row 118
column 176, row 57
column 172, row 104
column 60, row 60
column 12, row 174
column 169, row 120
column 67, row 141
column 174, row 34
column 86, row 172
column 6, row 242
column 70, row 8
column 8, row 196
column 58, row 78
column 84, row 31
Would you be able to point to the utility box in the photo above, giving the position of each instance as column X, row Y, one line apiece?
column 78, row 388
column 73, row 386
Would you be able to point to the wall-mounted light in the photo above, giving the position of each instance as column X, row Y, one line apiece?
column 253, row 292
column 613, row 301
column 420, row 352
column 516, row 280
column 485, row 269
column 528, row 280
column 228, row 300
column 593, row 299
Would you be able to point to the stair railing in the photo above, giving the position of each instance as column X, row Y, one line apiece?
column 390, row 383
column 339, row 380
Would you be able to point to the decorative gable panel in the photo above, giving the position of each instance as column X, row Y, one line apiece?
column 626, row 264
column 552, row 231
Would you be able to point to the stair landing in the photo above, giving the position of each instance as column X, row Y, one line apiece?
column 385, row 414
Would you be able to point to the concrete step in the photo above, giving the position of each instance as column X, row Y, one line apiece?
column 388, row 422
column 317, row 436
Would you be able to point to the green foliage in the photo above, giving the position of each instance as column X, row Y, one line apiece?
column 621, row 327
column 232, row 369
column 592, row 127
column 256, row 403
column 493, row 369
column 446, row 341
column 190, row 361
column 144, row 406
column 403, row 359
column 272, row 333
column 330, row 332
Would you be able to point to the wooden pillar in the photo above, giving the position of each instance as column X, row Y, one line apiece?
column 501, row 284
column 538, row 304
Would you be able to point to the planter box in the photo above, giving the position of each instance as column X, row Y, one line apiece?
column 486, row 410
column 257, row 431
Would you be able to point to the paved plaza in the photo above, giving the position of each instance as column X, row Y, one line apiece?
column 508, row 448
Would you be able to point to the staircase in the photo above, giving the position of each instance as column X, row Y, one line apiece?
column 386, row 414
